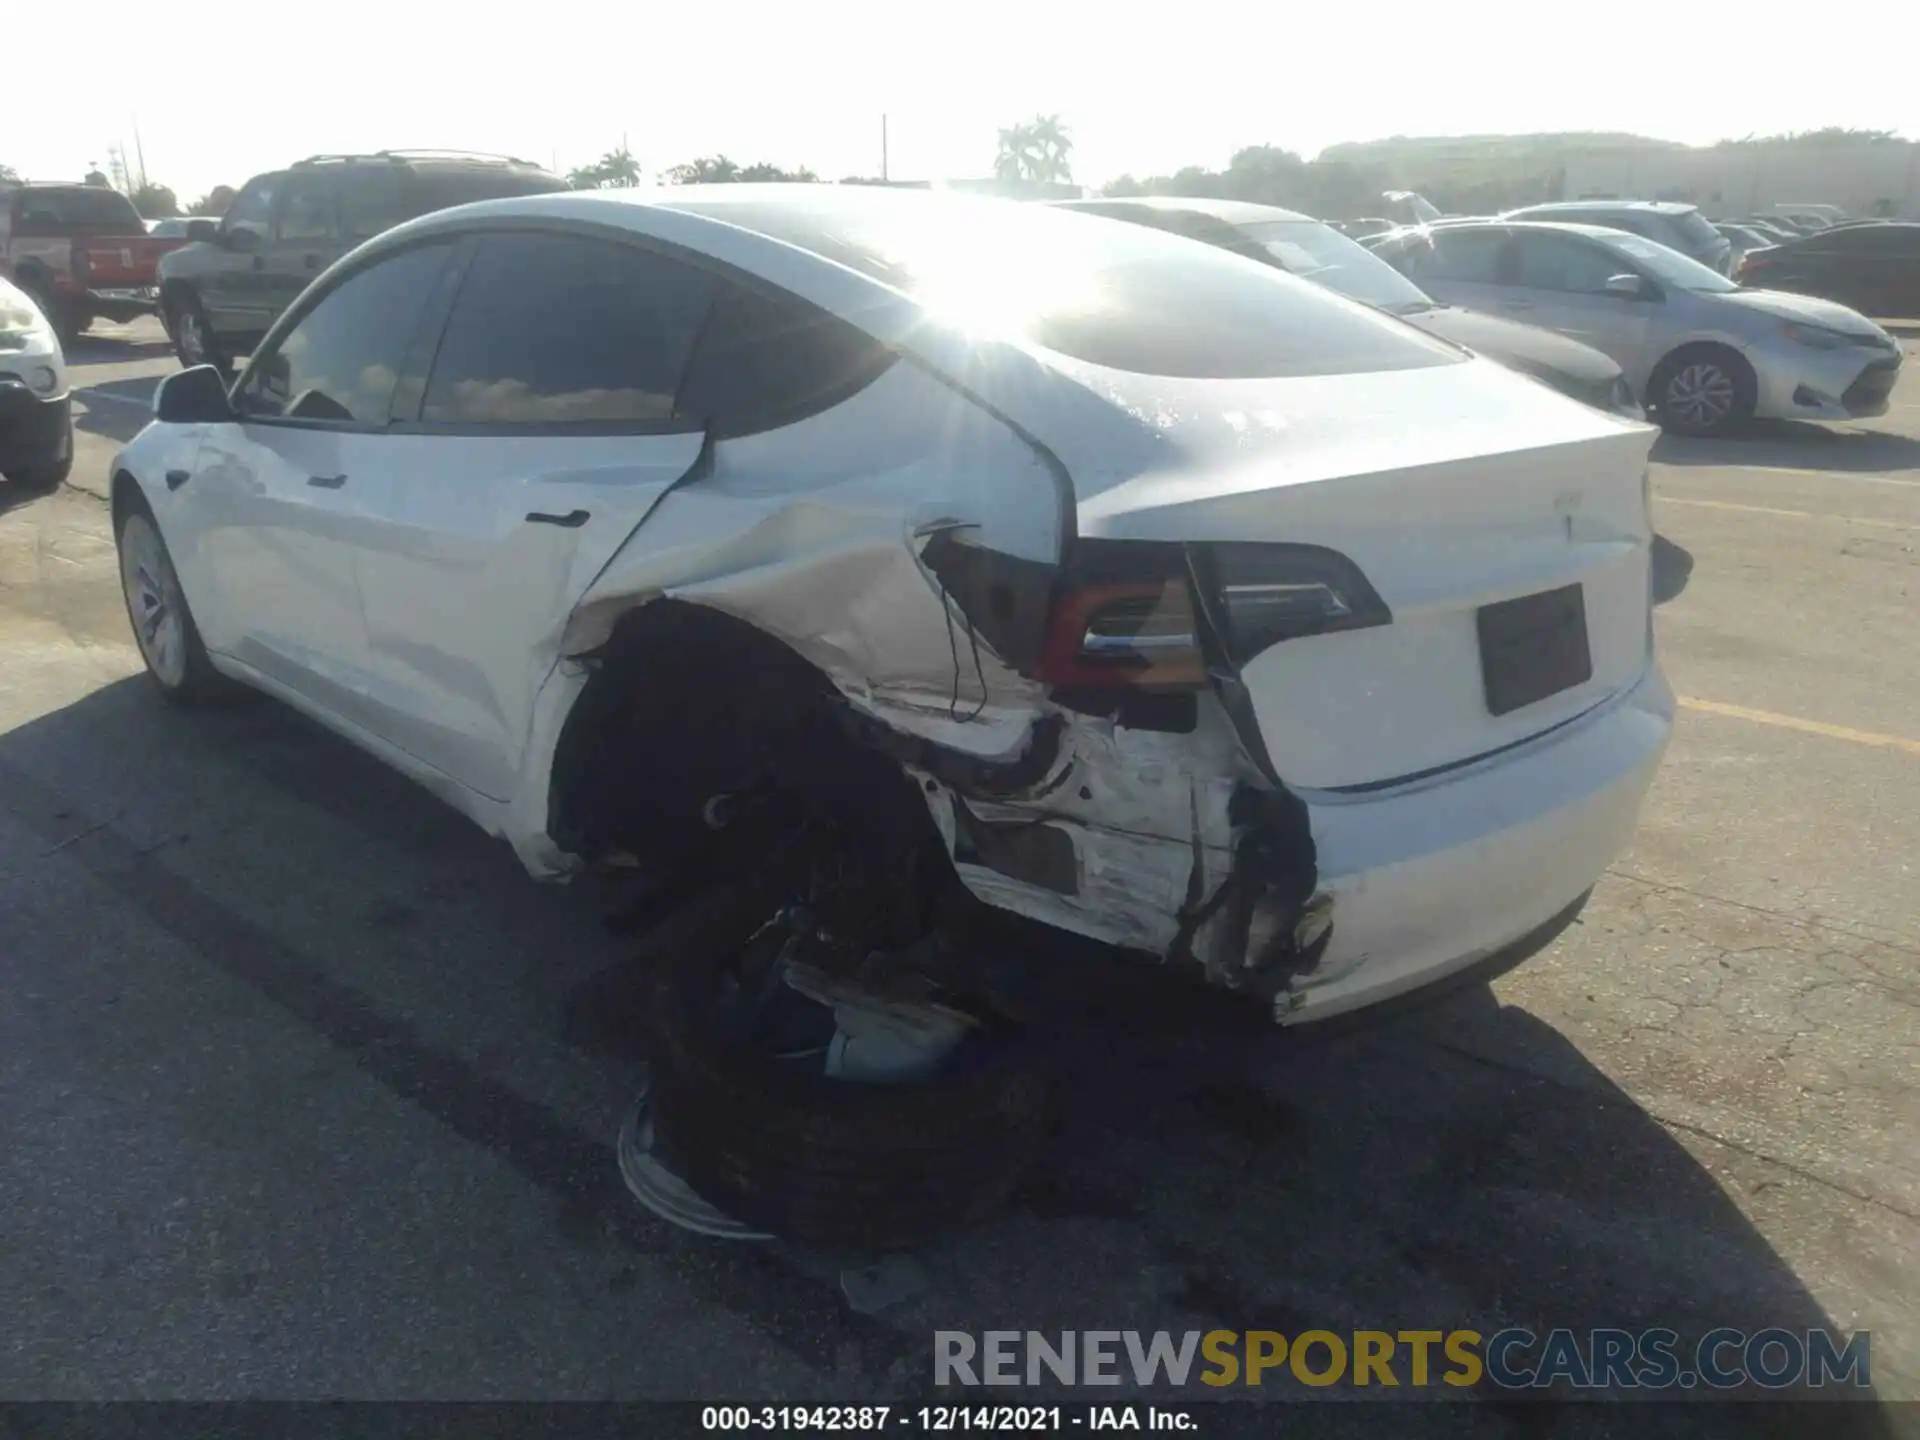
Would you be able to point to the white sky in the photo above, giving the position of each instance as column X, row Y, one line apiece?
column 221, row 91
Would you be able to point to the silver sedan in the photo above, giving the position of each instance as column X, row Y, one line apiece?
column 1703, row 354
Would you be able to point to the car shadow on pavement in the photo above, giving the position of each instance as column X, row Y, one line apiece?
column 1461, row 1167
column 1795, row 445
column 1672, row 568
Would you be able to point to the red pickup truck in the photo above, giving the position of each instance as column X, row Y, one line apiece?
column 80, row 251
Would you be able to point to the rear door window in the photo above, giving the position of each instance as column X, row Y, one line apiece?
column 561, row 330
column 372, row 201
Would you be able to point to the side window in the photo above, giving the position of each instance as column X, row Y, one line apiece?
column 341, row 360
column 253, row 206
column 563, row 330
column 1560, row 262
column 306, row 209
column 761, row 363
column 1469, row 257
column 372, row 201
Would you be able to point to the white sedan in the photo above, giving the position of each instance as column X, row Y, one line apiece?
column 1162, row 597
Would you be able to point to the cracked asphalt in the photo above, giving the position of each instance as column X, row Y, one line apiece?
column 307, row 1093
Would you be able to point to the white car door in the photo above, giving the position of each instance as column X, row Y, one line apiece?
column 544, row 435
column 1558, row 281
column 272, row 512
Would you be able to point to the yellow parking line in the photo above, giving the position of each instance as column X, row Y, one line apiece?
column 1809, row 727
column 1792, row 514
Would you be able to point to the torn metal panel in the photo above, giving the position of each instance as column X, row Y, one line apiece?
column 815, row 534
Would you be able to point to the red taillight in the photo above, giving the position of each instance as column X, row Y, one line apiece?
column 1138, row 634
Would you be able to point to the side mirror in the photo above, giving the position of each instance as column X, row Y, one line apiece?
column 193, row 397
column 240, row 238
column 203, row 229
column 1627, row 287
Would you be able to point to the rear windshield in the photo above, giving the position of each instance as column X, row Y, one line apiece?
column 1322, row 254
column 82, row 209
column 1695, row 229
column 1123, row 296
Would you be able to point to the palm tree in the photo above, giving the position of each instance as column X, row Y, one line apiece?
column 615, row 170
column 1034, row 151
column 707, row 170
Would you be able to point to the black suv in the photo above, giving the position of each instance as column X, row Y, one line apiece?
column 219, row 294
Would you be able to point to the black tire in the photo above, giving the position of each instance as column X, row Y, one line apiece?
column 197, row 683
column 835, row 1163
column 193, row 338
column 1703, row 371
column 66, row 321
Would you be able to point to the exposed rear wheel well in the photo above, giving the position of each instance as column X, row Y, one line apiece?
column 687, row 702
column 125, row 494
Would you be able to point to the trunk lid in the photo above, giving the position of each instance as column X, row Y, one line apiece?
column 121, row 262
column 1453, row 488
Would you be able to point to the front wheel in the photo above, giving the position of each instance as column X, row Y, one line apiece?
column 163, row 626
column 1704, row 391
column 193, row 338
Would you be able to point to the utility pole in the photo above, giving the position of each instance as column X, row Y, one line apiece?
column 140, row 153
column 883, row 149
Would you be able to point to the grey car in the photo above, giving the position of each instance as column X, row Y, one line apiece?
column 1677, row 226
column 1704, row 354
column 1314, row 250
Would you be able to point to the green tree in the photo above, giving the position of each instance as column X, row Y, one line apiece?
column 97, row 178
column 155, row 202
column 9, row 175
column 1035, row 151
column 615, row 170
column 214, row 202
column 765, row 173
column 707, row 170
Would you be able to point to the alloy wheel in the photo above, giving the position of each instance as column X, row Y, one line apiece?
column 154, row 602
column 1699, row 396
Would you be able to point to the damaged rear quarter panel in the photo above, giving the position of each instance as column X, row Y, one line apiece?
column 816, row 534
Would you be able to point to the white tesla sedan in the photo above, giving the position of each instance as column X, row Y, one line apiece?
column 1182, row 604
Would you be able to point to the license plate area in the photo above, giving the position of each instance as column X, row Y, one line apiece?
column 1533, row 647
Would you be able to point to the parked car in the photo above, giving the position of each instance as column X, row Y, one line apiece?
column 1744, row 238
column 1704, row 354
column 1062, row 564
column 1873, row 267
column 1677, row 226
column 222, row 292
column 172, row 228
column 1811, row 217
column 1303, row 246
column 36, row 423
column 81, row 251
column 1409, row 207
column 1360, row 229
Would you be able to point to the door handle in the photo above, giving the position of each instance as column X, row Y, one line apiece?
column 327, row 482
column 177, row 478
column 313, row 262
column 572, row 520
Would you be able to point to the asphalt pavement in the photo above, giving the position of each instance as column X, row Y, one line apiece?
column 308, row 1093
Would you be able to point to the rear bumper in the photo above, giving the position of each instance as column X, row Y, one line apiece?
column 34, row 433
column 1432, row 879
